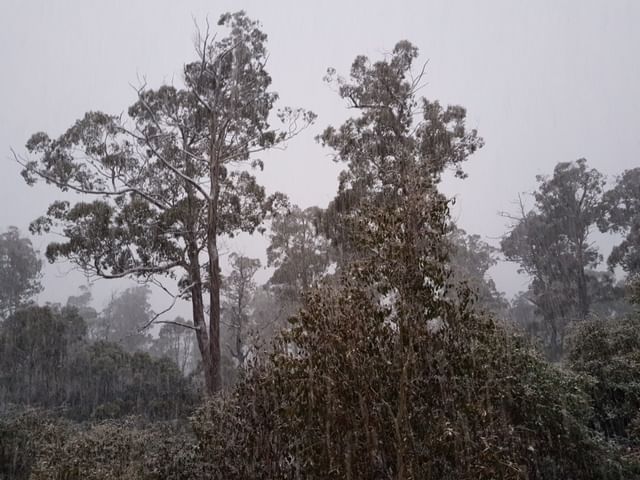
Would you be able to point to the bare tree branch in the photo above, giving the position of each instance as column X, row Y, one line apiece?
column 178, row 324
column 173, row 303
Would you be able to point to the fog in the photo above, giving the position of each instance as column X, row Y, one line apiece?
column 543, row 83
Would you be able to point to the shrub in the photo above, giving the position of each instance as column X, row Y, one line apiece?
column 125, row 449
column 608, row 352
column 343, row 398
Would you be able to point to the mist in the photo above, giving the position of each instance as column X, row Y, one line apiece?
column 278, row 220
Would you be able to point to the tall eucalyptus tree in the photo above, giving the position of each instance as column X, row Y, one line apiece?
column 171, row 176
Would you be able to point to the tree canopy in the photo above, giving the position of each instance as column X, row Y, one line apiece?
column 622, row 215
column 552, row 244
column 19, row 271
column 171, row 176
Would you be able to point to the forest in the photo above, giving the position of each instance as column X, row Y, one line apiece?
column 379, row 347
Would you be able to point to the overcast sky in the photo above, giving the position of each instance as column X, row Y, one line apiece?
column 543, row 82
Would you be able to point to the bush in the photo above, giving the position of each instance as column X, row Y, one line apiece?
column 608, row 353
column 126, row 449
column 344, row 398
column 22, row 436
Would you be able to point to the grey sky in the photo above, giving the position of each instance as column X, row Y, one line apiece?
column 543, row 82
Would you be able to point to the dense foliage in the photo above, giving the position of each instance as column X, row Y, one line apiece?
column 390, row 372
column 46, row 361
column 349, row 406
column 38, row 446
column 608, row 351
column 19, row 271
column 622, row 215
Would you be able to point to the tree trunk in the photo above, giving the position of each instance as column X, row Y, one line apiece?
column 214, row 259
column 583, row 295
column 554, row 348
column 209, row 364
column 214, row 301
column 202, row 336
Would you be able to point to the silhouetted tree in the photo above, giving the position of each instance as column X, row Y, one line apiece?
column 82, row 303
column 36, row 344
column 622, row 215
column 300, row 254
column 397, row 134
column 238, row 289
column 122, row 319
column 177, row 344
column 19, row 271
column 471, row 259
column 552, row 244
